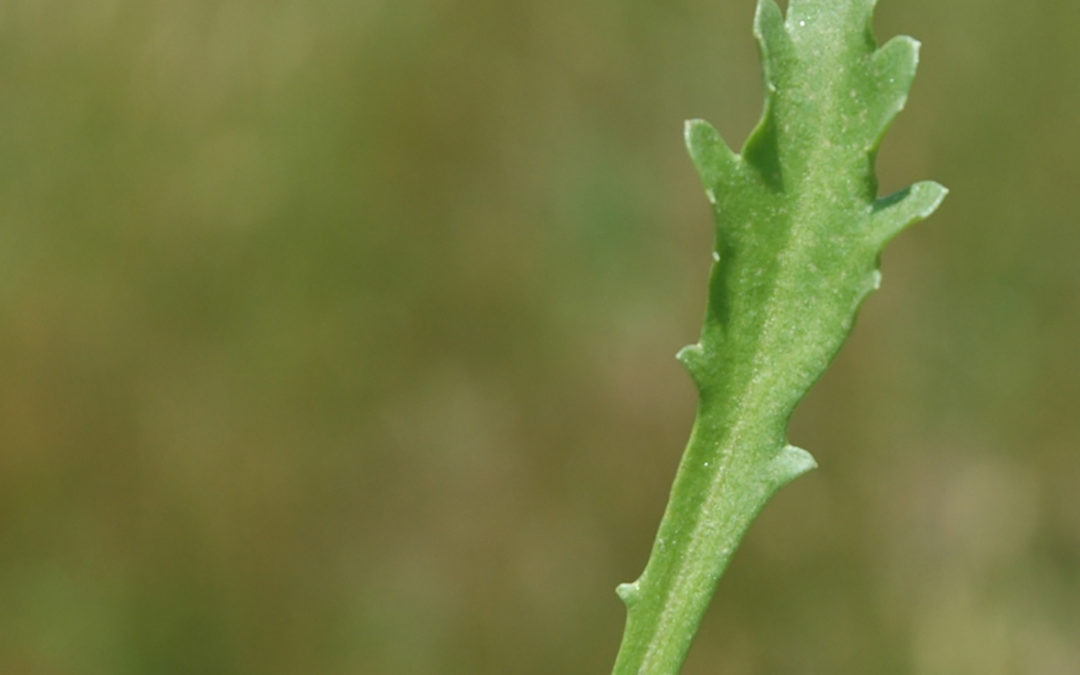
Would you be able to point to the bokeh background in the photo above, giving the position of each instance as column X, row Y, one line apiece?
column 337, row 337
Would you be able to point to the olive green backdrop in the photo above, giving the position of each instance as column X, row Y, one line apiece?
column 337, row 337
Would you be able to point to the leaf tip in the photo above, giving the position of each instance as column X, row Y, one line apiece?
column 715, row 161
column 930, row 193
column 698, row 132
column 772, row 38
column 768, row 18
column 899, row 55
column 628, row 593
column 917, row 202
column 693, row 359
column 791, row 463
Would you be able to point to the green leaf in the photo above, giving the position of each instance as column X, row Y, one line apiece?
column 799, row 233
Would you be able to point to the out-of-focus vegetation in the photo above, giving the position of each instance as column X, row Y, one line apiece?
column 337, row 337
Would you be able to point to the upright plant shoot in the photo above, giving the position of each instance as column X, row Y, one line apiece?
column 799, row 234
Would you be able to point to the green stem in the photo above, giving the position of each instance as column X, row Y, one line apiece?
column 724, row 481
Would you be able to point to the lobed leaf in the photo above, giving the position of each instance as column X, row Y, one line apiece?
column 799, row 233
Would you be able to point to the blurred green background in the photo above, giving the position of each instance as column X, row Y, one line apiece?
column 337, row 337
